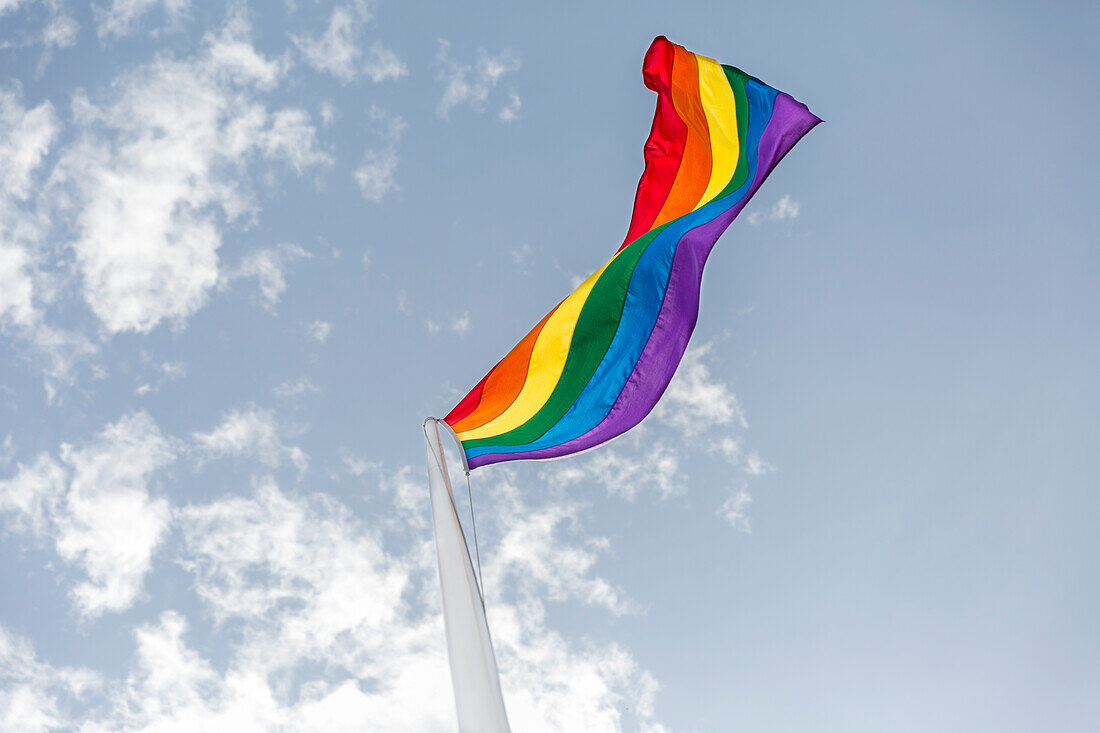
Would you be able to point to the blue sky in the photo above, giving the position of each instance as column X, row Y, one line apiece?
column 245, row 250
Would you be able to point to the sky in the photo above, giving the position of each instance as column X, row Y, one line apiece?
column 245, row 249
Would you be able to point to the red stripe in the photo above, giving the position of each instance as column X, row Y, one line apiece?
column 665, row 146
column 695, row 163
column 469, row 403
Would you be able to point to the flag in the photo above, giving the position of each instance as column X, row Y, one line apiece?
column 597, row 364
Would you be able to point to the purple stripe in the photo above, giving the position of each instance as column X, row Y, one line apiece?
column 790, row 120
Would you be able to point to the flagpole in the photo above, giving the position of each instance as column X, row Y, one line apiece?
column 474, row 675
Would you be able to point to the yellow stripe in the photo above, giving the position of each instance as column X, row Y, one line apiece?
column 720, row 108
column 547, row 363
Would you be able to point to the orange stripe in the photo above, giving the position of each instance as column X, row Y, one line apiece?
column 504, row 383
column 694, row 173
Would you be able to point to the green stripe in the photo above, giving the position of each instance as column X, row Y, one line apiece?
column 596, row 326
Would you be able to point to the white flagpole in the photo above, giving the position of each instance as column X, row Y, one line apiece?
column 474, row 674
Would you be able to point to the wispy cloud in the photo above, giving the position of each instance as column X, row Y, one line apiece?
column 163, row 373
column 268, row 266
column 94, row 504
column 533, row 551
column 319, row 331
column 322, row 620
column 695, row 401
column 457, row 324
column 785, row 209
column 735, row 508
column 521, row 255
column 382, row 64
column 377, row 173
column 698, row 414
column 252, row 433
column 48, row 24
column 36, row 696
column 296, row 388
column 337, row 50
column 120, row 17
column 510, row 111
column 26, row 137
column 471, row 84
column 161, row 158
column 632, row 465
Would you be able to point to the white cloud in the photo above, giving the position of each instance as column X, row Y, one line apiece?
column 356, row 465
column 32, row 497
column 388, row 126
column 700, row 407
column 735, row 509
column 59, row 351
column 269, row 266
column 293, row 137
column 163, row 373
column 337, row 50
column 310, row 585
column 785, row 209
column 754, row 465
column 470, row 84
column 461, row 324
column 161, row 161
column 383, row 64
column 7, row 6
column 732, row 449
column 457, row 324
column 696, row 411
column 521, row 255
column 329, row 112
column 323, row 627
column 58, row 29
column 376, row 175
column 632, row 464
column 34, row 696
column 314, row 589
column 320, row 331
column 121, row 16
column 532, row 552
column 295, row 387
column 16, row 285
column 94, row 504
column 61, row 29
column 110, row 524
column 510, row 111
column 250, row 432
column 26, row 136
column 694, row 400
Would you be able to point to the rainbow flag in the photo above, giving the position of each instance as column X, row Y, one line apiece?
column 599, row 361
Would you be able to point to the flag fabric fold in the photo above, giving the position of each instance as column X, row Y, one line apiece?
column 597, row 364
